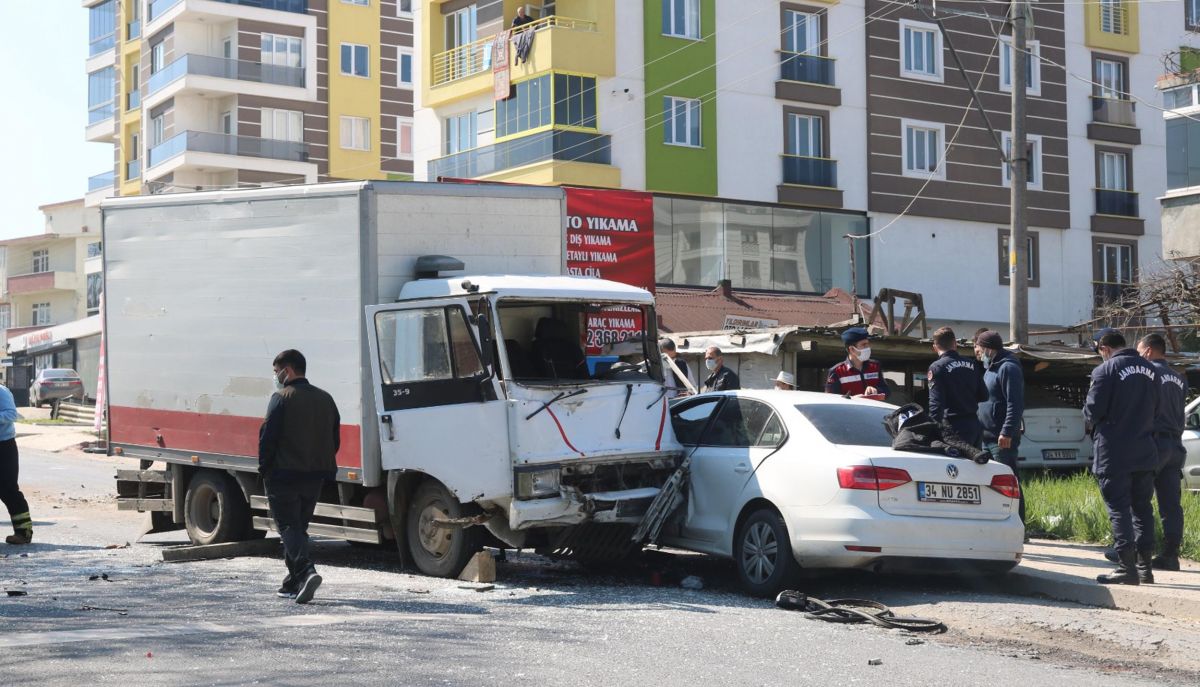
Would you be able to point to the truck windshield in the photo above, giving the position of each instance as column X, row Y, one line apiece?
column 576, row 342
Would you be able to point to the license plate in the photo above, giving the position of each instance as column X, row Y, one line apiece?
column 940, row 492
column 1060, row 454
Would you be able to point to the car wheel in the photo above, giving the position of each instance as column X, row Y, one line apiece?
column 763, row 553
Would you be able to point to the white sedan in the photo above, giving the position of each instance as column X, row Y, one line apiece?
column 783, row 480
column 1191, row 441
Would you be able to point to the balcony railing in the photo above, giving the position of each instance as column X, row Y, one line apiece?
column 133, row 99
column 227, row 144
column 99, row 113
column 472, row 58
column 158, row 7
column 222, row 68
column 795, row 66
column 1116, row 202
column 99, row 45
column 102, row 180
column 1114, row 17
column 1113, row 111
column 546, row 145
column 809, row 171
column 297, row 6
column 133, row 30
column 133, row 170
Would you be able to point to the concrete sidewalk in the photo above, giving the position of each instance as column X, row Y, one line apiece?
column 1067, row 572
column 52, row 438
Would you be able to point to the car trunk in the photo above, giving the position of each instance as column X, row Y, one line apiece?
column 950, row 487
column 1053, row 425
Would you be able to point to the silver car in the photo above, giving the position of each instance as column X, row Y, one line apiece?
column 53, row 384
column 1191, row 441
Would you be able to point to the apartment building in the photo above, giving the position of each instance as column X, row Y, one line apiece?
column 1181, row 105
column 770, row 131
column 200, row 94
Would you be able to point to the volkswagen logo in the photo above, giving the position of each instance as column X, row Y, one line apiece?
column 952, row 471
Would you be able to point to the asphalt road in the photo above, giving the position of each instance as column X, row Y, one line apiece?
column 219, row 622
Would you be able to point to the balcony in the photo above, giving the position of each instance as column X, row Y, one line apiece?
column 221, row 76
column 102, row 44
column 41, row 282
column 810, row 171
column 133, row 170
column 1113, row 111
column 101, row 113
column 570, row 146
column 102, row 180
column 101, row 127
column 1116, row 202
column 226, row 144
column 133, row 99
column 160, row 7
column 816, row 69
column 1110, row 294
column 133, row 30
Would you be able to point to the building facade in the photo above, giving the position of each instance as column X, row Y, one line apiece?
column 771, row 131
column 200, row 94
column 1181, row 105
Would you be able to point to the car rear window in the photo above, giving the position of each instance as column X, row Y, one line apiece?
column 847, row 423
column 58, row 374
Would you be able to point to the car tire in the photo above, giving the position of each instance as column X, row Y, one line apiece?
column 437, row 551
column 763, row 553
column 214, row 510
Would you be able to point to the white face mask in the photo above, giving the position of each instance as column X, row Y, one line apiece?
column 864, row 353
column 280, row 378
column 710, row 363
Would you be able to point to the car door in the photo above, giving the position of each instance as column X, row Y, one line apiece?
column 438, row 403
column 725, row 460
column 1191, row 442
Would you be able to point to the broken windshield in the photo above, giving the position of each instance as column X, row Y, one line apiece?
column 555, row 341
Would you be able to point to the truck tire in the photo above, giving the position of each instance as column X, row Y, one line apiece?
column 214, row 510
column 438, row 551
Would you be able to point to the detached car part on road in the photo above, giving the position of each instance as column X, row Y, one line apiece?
column 783, row 480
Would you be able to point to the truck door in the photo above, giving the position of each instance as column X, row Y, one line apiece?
column 438, row 403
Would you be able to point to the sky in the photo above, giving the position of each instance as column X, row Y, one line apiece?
column 45, row 111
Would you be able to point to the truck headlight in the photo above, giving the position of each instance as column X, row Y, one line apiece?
column 537, row 484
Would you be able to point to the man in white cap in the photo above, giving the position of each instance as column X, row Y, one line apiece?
column 785, row 381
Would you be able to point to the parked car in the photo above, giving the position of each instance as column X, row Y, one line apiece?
column 783, row 480
column 1054, row 435
column 53, row 384
column 1191, row 441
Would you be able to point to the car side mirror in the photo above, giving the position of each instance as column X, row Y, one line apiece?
column 1192, row 422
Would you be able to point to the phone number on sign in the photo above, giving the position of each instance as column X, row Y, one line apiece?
column 599, row 337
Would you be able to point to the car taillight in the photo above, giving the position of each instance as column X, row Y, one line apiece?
column 871, row 478
column 1006, row 485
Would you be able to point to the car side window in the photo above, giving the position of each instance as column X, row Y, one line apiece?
column 773, row 433
column 689, row 422
column 739, row 423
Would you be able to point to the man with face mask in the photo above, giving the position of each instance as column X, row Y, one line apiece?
column 297, row 448
column 857, row 376
column 721, row 378
column 1121, row 407
column 1002, row 411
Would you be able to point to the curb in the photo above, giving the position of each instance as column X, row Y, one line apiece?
column 1034, row 582
column 179, row 554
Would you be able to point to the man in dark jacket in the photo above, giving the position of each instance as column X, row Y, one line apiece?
column 1168, row 439
column 955, row 389
column 1121, row 407
column 721, row 378
column 297, row 446
column 1001, row 413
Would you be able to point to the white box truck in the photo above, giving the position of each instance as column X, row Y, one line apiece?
column 471, row 409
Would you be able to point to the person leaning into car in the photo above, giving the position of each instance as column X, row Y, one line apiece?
column 955, row 389
column 857, row 375
column 1001, row 412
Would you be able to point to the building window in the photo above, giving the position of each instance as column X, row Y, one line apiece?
column 575, row 101
column 158, row 57
column 805, row 135
column 158, row 130
column 1033, row 66
column 404, row 75
column 681, row 121
column 282, row 51
column 1191, row 15
column 102, row 27
column 41, row 260
column 404, row 138
column 404, row 8
column 1032, row 254
column 802, row 32
column 1033, row 153
column 102, row 91
column 1114, row 265
column 1114, row 171
column 920, row 51
column 922, row 149
column 40, row 314
column 5, row 317
column 1114, row 17
column 356, row 133
column 95, row 249
column 681, row 18
column 95, row 283
column 354, row 60
column 362, row 3
column 461, row 132
column 282, row 125
column 1183, row 152
column 1110, row 79
column 528, row 108
column 1179, row 98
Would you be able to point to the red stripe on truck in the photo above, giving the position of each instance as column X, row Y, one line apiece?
column 232, row 435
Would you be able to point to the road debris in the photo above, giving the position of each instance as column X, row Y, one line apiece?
column 875, row 662
column 16, row 592
column 853, row 611
column 101, row 576
column 118, row 611
column 479, row 588
column 692, row 582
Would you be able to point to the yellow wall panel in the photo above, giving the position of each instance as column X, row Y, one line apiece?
column 354, row 96
column 1127, row 41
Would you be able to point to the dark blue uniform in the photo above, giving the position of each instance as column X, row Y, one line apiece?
column 1121, row 407
column 1168, row 438
column 1001, row 412
column 955, row 390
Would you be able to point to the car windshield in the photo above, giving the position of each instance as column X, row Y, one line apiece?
column 848, row 423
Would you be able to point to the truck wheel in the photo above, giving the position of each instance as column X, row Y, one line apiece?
column 438, row 551
column 763, row 553
column 214, row 511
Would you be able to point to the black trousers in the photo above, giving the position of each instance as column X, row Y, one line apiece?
column 968, row 429
column 1127, row 497
column 10, row 491
column 292, row 504
column 1168, row 488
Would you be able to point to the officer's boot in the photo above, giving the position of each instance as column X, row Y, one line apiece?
column 22, row 529
column 1144, row 572
column 1126, row 572
column 1169, row 558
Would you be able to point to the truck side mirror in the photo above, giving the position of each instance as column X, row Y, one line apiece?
column 1193, row 421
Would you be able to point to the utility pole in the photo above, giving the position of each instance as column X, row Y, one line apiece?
column 1018, row 254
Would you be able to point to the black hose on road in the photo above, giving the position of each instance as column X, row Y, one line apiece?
column 854, row 611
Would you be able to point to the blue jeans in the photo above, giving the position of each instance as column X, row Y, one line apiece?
column 292, row 505
column 1008, row 456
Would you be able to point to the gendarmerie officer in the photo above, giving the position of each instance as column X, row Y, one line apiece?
column 956, row 389
column 1121, row 407
column 857, row 375
column 1168, row 438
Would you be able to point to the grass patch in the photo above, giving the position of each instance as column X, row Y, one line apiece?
column 45, row 421
column 1068, row 506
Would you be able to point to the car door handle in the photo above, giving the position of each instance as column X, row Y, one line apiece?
column 391, row 429
column 741, row 467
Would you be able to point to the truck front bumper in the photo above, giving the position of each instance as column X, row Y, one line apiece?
column 572, row 508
